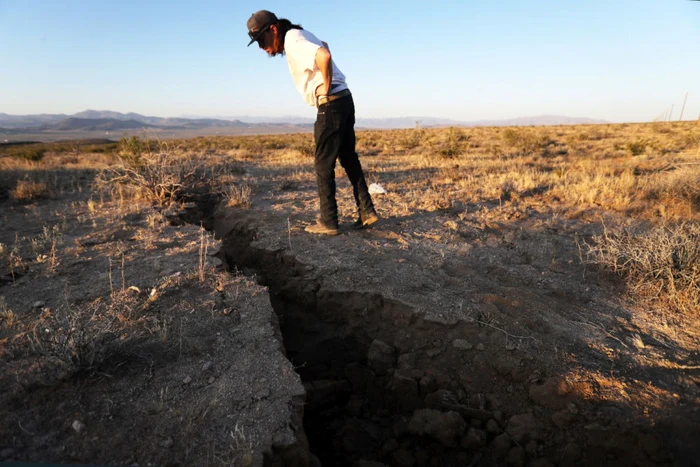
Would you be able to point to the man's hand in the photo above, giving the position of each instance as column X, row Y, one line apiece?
column 323, row 62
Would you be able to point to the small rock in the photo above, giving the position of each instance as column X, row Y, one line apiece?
column 38, row 304
column 380, row 357
column 516, row 457
column 498, row 416
column 389, row 447
column 187, row 380
column 445, row 427
column 423, row 456
column 500, row 446
column 78, row 426
column 433, row 352
column 168, row 443
column 492, row 427
column 511, row 346
column 360, row 463
column 541, row 462
column 407, row 361
column 400, row 428
column 358, row 375
column 354, row 406
column 462, row 344
column 525, row 427
column 427, row 384
column 562, row 418
column 405, row 391
column 480, row 346
column 553, row 393
column 211, row 379
column 652, row 446
column 571, row 454
column 531, row 448
column 403, row 458
column 609, row 413
column 214, row 262
column 206, row 366
column 474, row 439
column 440, row 399
column 534, row 377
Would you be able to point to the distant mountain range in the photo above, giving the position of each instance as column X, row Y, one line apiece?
column 412, row 122
column 106, row 121
column 91, row 120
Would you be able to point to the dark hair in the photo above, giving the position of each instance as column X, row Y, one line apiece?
column 285, row 25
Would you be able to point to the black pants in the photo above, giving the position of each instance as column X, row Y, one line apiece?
column 334, row 133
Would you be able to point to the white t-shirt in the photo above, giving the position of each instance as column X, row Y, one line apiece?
column 300, row 47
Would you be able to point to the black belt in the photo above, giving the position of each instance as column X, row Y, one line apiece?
column 326, row 99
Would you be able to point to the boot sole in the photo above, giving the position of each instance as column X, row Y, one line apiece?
column 365, row 223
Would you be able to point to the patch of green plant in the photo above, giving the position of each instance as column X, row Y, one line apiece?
column 31, row 153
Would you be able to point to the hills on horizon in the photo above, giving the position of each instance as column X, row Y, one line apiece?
column 106, row 120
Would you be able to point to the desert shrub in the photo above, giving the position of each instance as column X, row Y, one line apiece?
column 637, row 148
column 7, row 316
column 662, row 264
column 307, row 148
column 132, row 146
column 136, row 146
column 661, row 128
column 274, row 144
column 411, row 139
column 689, row 140
column 682, row 184
column 452, row 144
column 110, row 148
column 524, row 141
column 86, row 335
column 157, row 177
column 29, row 190
column 31, row 153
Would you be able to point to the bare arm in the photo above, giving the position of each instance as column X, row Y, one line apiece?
column 323, row 62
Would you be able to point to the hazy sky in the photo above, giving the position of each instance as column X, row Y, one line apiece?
column 618, row 60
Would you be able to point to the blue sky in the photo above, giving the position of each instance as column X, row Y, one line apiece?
column 618, row 60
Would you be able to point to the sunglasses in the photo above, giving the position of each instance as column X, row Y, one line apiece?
column 257, row 35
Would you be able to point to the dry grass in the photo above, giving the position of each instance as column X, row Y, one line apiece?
column 662, row 264
column 648, row 172
column 29, row 190
column 238, row 195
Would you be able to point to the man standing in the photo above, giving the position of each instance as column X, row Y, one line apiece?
column 323, row 86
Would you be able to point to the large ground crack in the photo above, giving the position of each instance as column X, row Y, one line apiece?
column 391, row 386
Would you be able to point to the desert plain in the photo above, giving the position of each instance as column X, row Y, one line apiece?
column 530, row 296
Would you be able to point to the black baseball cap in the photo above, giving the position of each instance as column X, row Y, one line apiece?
column 258, row 23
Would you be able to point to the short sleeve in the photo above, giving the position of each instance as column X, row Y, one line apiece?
column 300, row 49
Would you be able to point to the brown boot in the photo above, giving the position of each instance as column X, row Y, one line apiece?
column 364, row 220
column 319, row 228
